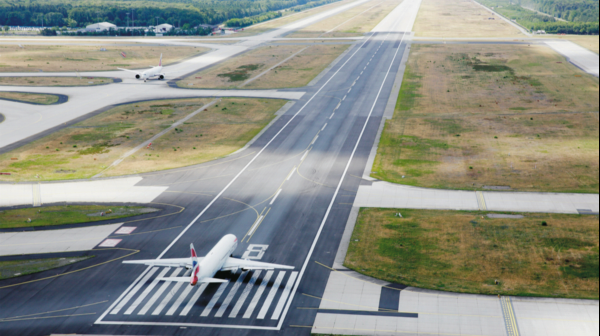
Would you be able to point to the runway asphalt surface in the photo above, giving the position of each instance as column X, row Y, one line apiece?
column 291, row 192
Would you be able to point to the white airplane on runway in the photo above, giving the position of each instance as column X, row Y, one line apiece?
column 153, row 72
column 204, row 269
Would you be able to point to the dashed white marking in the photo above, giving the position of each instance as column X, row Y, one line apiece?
column 133, row 292
column 344, row 97
column 284, row 296
column 193, row 300
column 170, row 295
column 362, row 72
column 322, row 129
column 214, row 299
column 231, row 294
column 271, row 296
column 349, row 90
column 145, row 293
column 158, row 293
column 294, row 170
column 274, row 198
column 332, row 115
column 314, row 140
column 338, row 106
column 357, row 79
column 257, row 296
column 244, row 296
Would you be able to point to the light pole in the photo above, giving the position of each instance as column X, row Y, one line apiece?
column 127, row 19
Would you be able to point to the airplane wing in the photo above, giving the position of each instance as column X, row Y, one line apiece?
column 233, row 263
column 189, row 279
column 176, row 262
column 135, row 72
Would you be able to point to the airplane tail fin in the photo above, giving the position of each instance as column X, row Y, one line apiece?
column 196, row 266
column 160, row 62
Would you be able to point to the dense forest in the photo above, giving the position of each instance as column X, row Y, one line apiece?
column 574, row 16
column 80, row 13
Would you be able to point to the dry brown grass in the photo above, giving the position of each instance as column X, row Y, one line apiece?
column 55, row 58
column 44, row 99
column 86, row 149
column 460, row 18
column 466, row 252
column 296, row 72
column 301, row 69
column 54, row 81
column 527, row 121
column 289, row 17
column 353, row 22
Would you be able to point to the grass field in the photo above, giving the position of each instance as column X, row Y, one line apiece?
column 296, row 72
column 66, row 214
column 54, row 81
column 353, row 22
column 56, row 58
column 11, row 269
column 460, row 18
column 88, row 148
column 38, row 98
column 467, row 252
column 473, row 116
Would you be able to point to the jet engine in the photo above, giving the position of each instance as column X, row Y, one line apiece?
column 137, row 76
column 161, row 77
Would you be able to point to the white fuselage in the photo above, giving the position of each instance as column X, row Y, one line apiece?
column 216, row 258
column 156, row 71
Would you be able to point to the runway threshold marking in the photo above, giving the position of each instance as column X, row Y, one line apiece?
column 510, row 320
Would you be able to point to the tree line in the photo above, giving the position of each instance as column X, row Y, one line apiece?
column 248, row 21
column 570, row 10
column 75, row 13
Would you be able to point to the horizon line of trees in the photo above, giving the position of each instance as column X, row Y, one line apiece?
column 63, row 13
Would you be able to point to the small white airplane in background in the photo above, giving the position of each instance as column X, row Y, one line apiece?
column 204, row 269
column 152, row 72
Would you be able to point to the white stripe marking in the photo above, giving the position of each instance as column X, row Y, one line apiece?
column 170, row 295
column 338, row 106
column 179, row 300
column 255, row 225
column 303, row 157
column 259, row 293
column 274, row 198
column 146, row 292
column 214, row 300
column 292, row 173
column 314, row 140
column 284, row 296
column 332, row 116
column 271, row 296
column 344, row 97
column 244, row 296
column 158, row 293
column 322, row 129
column 231, row 295
column 337, row 190
column 133, row 292
column 193, row 300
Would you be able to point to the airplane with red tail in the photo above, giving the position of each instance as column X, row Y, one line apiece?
column 204, row 269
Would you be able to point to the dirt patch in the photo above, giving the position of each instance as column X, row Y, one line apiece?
column 460, row 18
column 468, row 252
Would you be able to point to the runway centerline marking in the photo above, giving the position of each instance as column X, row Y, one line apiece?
column 314, row 244
column 274, row 198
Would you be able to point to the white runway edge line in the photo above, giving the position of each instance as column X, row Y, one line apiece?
column 337, row 190
column 99, row 320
